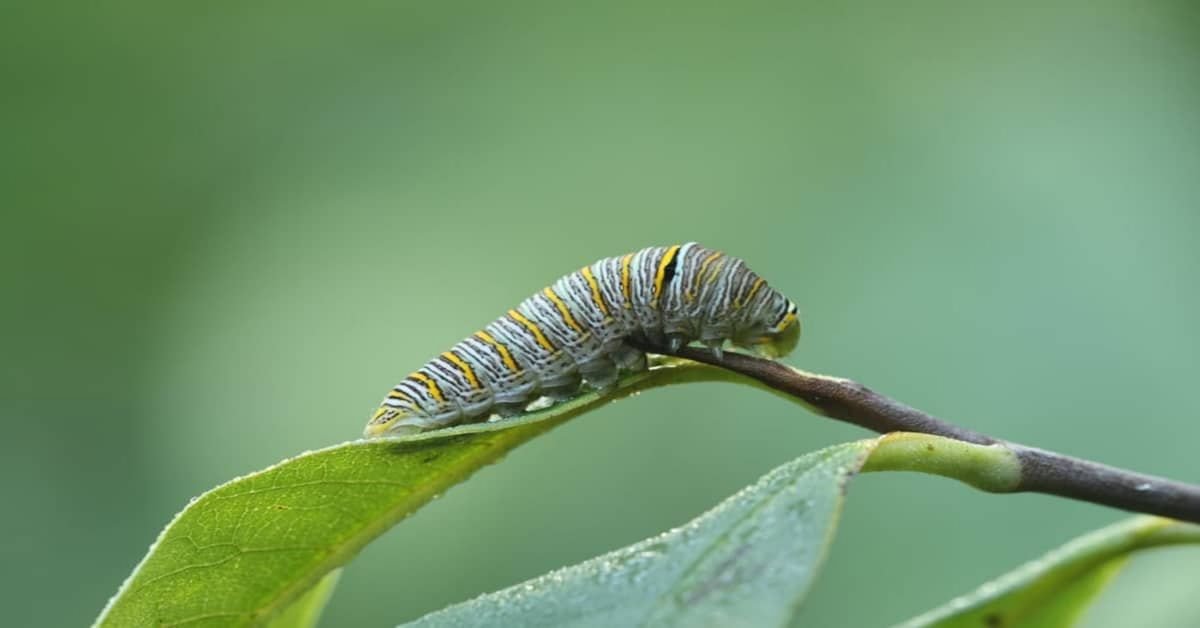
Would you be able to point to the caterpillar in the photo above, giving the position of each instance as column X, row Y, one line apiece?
column 579, row 329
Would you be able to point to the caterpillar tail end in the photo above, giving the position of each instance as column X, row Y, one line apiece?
column 388, row 422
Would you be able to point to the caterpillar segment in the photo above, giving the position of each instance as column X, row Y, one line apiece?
column 577, row 331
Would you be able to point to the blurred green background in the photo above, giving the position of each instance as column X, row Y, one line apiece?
column 230, row 227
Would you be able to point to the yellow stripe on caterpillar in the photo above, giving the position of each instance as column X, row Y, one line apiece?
column 533, row 329
column 466, row 369
column 432, row 386
column 562, row 309
column 505, row 355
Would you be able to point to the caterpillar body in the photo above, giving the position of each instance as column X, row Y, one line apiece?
column 579, row 329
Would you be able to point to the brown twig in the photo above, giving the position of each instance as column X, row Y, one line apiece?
column 1040, row 471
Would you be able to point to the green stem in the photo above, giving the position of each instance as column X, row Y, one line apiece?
column 991, row 468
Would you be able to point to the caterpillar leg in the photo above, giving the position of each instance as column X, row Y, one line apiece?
column 629, row 358
column 412, row 425
column 541, row 403
column 509, row 409
column 654, row 335
column 601, row 373
column 676, row 340
column 561, row 393
column 713, row 337
column 561, row 386
column 478, row 413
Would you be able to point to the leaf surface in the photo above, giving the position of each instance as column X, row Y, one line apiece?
column 243, row 552
column 1054, row 590
column 747, row 562
column 306, row 611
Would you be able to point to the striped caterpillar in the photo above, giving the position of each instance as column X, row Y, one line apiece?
column 579, row 329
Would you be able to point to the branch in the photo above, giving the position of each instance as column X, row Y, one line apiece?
column 1039, row 471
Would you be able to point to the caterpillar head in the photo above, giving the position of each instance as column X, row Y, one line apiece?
column 393, row 421
column 782, row 336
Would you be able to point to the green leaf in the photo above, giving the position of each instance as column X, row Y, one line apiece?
column 242, row 552
column 749, row 561
column 306, row 611
column 1054, row 590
